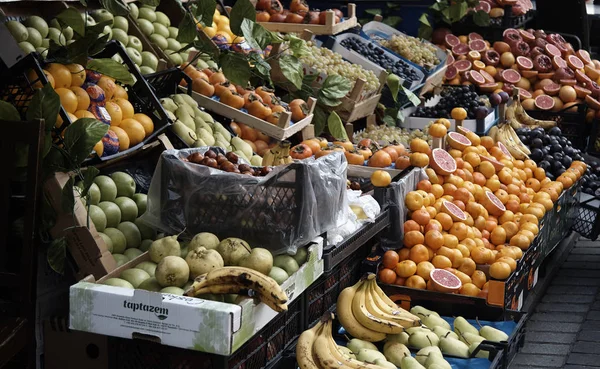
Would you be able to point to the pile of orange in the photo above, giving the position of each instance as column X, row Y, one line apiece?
column 68, row 82
column 501, row 200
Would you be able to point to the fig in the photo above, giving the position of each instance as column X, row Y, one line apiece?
column 202, row 260
column 204, row 239
column 172, row 271
column 542, row 63
column 233, row 250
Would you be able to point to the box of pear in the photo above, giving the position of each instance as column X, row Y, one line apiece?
column 204, row 294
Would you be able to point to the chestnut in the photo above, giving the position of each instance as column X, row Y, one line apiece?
column 210, row 162
column 265, row 170
column 244, row 168
column 221, row 158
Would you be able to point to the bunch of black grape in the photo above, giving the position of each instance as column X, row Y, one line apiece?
column 456, row 97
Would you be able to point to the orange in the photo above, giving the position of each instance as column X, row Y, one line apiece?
column 390, row 259
column 441, row 262
column 77, row 74
column 528, row 218
column 445, row 220
column 487, row 169
column 508, row 216
column 510, row 261
column 32, row 76
column 411, row 225
column 419, row 253
column 498, row 236
column 457, row 259
column 481, row 255
column 424, row 268
column 387, row 276
column 511, row 229
column 406, row 268
column 434, row 239
column 539, row 173
column 459, row 230
column 108, row 85
column 61, row 75
column 534, row 184
column 84, row 114
column 528, row 226
column 416, row 281
column 450, row 241
column 500, row 270
column 134, row 130
column 467, row 266
column 68, row 99
column 123, row 137
column 115, row 112
column 146, row 122
column 120, row 93
column 404, row 253
column 433, row 225
column 521, row 241
column 413, row 238
column 527, row 234
column 419, row 145
column 99, row 148
column 83, row 99
column 437, row 190
column 464, row 278
column 59, row 121
column 469, row 289
column 478, row 277
column 126, row 107
column 421, row 216
column 414, row 200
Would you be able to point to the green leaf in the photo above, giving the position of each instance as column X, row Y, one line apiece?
column 241, row 9
column 319, row 120
column 45, row 104
column 392, row 20
column 9, row 112
column 70, row 17
column 389, row 121
column 88, row 179
column 336, row 126
column 247, row 31
column 414, row 99
column 206, row 46
column 261, row 35
column 335, row 87
column 425, row 29
column 98, row 45
column 298, row 47
column 55, row 162
column 375, row 11
column 67, row 198
column 205, row 9
column 393, row 83
column 481, row 18
column 111, row 68
column 150, row 2
column 260, row 64
column 327, row 101
column 309, row 78
column 291, row 67
column 458, row 11
column 236, row 68
column 57, row 254
column 81, row 137
column 391, row 5
column 187, row 29
column 116, row 7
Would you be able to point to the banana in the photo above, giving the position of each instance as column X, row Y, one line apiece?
column 517, row 140
column 370, row 321
column 510, row 144
column 493, row 133
column 349, row 322
column 525, row 118
column 324, row 357
column 304, row 347
column 381, row 310
column 510, row 112
column 223, row 289
column 268, row 158
column 514, row 123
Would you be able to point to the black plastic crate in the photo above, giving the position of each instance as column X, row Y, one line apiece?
column 261, row 351
column 333, row 255
column 571, row 123
column 587, row 222
column 493, row 32
column 167, row 82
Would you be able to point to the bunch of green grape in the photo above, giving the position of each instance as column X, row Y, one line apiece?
column 417, row 51
column 326, row 61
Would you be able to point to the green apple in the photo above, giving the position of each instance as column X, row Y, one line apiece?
column 121, row 36
column 38, row 23
column 163, row 19
column 173, row 44
column 146, row 70
column 175, row 58
column 26, row 47
column 88, row 19
column 121, row 23
column 107, row 31
column 184, row 55
column 148, row 14
column 46, row 43
column 146, row 27
column 43, row 51
column 159, row 40
column 134, row 11
column 117, row 58
column 173, row 32
column 153, row 8
column 56, row 35
column 161, row 30
column 135, row 43
column 135, row 55
column 102, row 15
column 17, row 30
column 149, row 60
column 35, row 37
column 68, row 32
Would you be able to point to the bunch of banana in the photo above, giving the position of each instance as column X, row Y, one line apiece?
column 277, row 155
column 367, row 313
column 505, row 134
column 517, row 117
column 239, row 280
column 316, row 349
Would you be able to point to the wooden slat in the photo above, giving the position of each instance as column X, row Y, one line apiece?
column 318, row 29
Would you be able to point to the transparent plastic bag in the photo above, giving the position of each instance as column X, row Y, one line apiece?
column 282, row 211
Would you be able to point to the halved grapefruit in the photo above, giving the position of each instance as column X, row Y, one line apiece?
column 574, row 62
column 544, row 102
column 454, row 211
column 503, row 149
column 497, row 165
column 451, row 40
column 524, row 62
column 559, row 62
column 492, row 204
column 442, row 162
column 462, row 65
column 444, row 281
column 457, row 141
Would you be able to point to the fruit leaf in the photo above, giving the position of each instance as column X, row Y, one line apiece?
column 45, row 104
column 414, row 99
column 57, row 253
column 389, row 121
column 260, row 65
column 257, row 36
column 187, row 29
column 336, row 126
column 298, row 47
column 241, row 9
column 391, row 5
column 67, row 198
column 335, row 87
column 481, row 18
column 88, row 179
column 70, row 17
column 327, row 101
column 54, row 162
column 235, row 67
column 47, row 214
column 291, row 68
column 319, row 120
column 374, row 11
column 98, row 45
column 425, row 29
column 392, row 20
column 205, row 9
column 81, row 137
column 9, row 112
column 458, row 11
column 206, row 46
column 116, row 7
column 150, row 2
column 309, row 78
column 111, row 68
column 393, row 83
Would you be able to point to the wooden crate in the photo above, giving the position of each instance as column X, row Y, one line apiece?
column 329, row 28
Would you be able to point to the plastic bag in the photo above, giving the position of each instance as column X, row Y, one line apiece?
column 282, row 211
column 363, row 209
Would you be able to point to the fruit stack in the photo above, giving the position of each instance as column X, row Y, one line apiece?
column 479, row 206
column 34, row 33
column 547, row 72
column 495, row 8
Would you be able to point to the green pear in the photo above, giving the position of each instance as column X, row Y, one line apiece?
column 423, row 354
column 433, row 321
column 421, row 311
column 462, row 326
column 443, row 332
column 162, row 19
column 470, row 338
column 493, row 334
column 369, row 356
column 394, row 352
column 420, row 340
column 436, row 358
column 410, row 362
column 355, row 345
column 454, row 347
column 481, row 354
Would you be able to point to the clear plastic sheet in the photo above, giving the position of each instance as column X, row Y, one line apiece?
column 282, row 211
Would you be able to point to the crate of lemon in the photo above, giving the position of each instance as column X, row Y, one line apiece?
column 475, row 226
column 133, row 112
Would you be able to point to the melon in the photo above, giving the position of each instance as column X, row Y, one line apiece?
column 510, row 76
column 503, row 149
column 493, row 205
column 574, row 62
column 559, row 62
column 457, row 141
column 544, row 102
column 477, row 45
column 552, row 51
column 454, row 211
column 524, row 62
column 444, row 281
column 462, row 65
column 498, row 166
column 442, row 162
column 460, row 49
column 451, row 40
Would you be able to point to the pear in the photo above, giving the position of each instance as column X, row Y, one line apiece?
column 493, row 334
column 394, row 352
column 410, row 362
column 385, row 364
column 412, row 330
column 420, row 340
column 481, row 354
column 369, row 356
column 454, row 347
column 462, row 326
column 443, row 332
column 168, row 104
column 436, row 358
column 346, row 352
column 423, row 354
column 400, row 338
column 355, row 345
column 470, row 338
column 421, row 311
column 433, row 321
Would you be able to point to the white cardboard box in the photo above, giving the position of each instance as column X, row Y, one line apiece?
column 181, row 321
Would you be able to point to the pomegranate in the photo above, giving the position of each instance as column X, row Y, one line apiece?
column 564, row 73
column 536, row 51
column 540, row 42
column 491, row 57
column 542, row 63
column 439, row 34
column 521, row 48
column 512, row 38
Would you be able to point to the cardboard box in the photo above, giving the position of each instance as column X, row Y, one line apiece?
column 180, row 321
